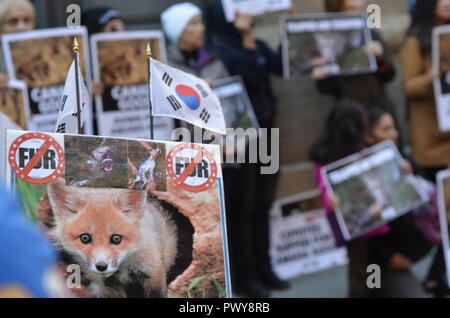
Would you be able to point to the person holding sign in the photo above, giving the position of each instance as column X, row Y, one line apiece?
column 102, row 19
column 183, row 26
column 15, row 16
column 362, row 88
column 411, row 237
column 431, row 148
column 346, row 132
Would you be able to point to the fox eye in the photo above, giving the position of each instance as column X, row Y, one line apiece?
column 85, row 238
column 116, row 239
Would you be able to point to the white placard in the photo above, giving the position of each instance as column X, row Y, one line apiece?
column 123, row 108
column 441, row 64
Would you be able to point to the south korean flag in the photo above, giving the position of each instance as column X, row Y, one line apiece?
column 183, row 96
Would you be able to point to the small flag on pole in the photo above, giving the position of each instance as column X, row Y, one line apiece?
column 68, row 112
column 183, row 96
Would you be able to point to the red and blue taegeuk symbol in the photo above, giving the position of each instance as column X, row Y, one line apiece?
column 189, row 96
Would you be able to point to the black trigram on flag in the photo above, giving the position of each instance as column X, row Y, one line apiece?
column 63, row 104
column 174, row 102
column 205, row 116
column 202, row 90
column 61, row 128
column 167, row 79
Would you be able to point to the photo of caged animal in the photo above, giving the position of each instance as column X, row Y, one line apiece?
column 124, row 243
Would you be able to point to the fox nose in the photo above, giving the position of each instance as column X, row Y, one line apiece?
column 101, row 266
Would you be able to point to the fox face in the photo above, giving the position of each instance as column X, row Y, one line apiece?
column 99, row 227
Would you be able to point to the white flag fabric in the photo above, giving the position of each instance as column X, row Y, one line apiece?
column 68, row 112
column 183, row 96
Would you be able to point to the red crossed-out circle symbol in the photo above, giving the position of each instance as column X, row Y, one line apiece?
column 191, row 167
column 36, row 158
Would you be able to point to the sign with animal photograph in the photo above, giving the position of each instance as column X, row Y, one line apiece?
column 334, row 41
column 372, row 189
column 302, row 241
column 120, row 65
column 42, row 59
column 441, row 64
column 115, row 214
column 443, row 184
column 14, row 103
column 279, row 5
column 253, row 7
column 237, row 108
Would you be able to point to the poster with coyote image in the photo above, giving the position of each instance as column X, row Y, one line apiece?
column 14, row 103
column 302, row 241
column 140, row 218
column 441, row 64
column 120, row 63
column 443, row 184
column 42, row 59
column 372, row 189
column 334, row 41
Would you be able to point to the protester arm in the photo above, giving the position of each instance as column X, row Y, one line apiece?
column 416, row 80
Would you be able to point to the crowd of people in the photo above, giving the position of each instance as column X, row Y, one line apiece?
column 363, row 115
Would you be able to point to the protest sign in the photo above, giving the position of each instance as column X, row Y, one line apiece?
column 372, row 188
column 120, row 64
column 42, row 59
column 441, row 64
column 110, row 208
column 335, row 41
column 302, row 241
column 279, row 5
column 183, row 96
column 14, row 103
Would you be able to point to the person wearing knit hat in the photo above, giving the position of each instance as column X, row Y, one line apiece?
column 102, row 19
column 179, row 18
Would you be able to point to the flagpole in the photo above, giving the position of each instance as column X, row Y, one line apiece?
column 149, row 56
column 76, row 54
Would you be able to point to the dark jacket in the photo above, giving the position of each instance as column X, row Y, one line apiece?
column 364, row 88
column 255, row 66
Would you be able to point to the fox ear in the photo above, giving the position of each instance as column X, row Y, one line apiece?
column 131, row 202
column 62, row 199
